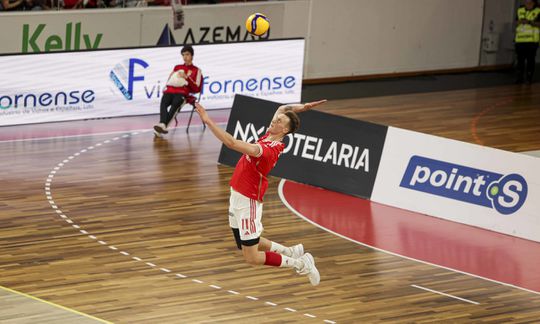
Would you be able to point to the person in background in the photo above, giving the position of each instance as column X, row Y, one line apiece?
column 73, row 4
column 526, row 40
column 12, row 5
column 184, row 80
column 35, row 5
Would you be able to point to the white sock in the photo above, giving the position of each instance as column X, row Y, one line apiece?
column 278, row 248
column 288, row 262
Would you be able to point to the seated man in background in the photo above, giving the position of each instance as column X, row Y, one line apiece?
column 184, row 79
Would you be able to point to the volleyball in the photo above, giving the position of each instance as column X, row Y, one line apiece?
column 257, row 24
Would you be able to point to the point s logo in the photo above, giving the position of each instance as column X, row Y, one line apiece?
column 505, row 193
column 126, row 73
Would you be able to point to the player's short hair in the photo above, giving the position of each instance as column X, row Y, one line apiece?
column 187, row 48
column 294, row 121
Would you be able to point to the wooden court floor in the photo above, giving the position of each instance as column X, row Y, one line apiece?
column 131, row 229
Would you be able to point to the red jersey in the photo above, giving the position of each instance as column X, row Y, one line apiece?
column 250, row 175
column 194, row 80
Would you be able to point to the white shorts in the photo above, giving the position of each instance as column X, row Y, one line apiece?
column 245, row 214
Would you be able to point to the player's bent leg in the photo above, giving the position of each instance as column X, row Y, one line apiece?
column 252, row 255
column 265, row 244
column 305, row 265
column 294, row 251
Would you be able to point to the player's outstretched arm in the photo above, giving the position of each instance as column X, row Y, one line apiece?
column 226, row 138
column 298, row 108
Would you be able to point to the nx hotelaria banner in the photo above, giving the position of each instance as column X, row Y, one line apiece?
column 328, row 151
column 125, row 82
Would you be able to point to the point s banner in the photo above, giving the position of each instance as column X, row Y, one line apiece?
column 460, row 182
column 51, row 87
column 328, row 151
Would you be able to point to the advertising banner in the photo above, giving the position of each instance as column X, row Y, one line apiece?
column 66, row 86
column 71, row 30
column 461, row 182
column 55, row 31
column 328, row 151
column 211, row 24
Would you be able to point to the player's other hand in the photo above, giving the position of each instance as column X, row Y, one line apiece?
column 202, row 112
column 309, row 105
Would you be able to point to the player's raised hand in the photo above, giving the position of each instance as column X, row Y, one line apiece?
column 312, row 104
column 308, row 105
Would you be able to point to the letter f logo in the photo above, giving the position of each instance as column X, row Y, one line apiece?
column 131, row 77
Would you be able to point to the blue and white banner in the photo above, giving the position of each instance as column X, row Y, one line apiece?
column 106, row 83
column 460, row 182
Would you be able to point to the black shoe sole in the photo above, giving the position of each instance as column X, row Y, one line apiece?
column 159, row 130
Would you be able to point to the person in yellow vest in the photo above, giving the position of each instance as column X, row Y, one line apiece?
column 527, row 38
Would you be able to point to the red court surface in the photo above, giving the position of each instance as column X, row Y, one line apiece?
column 478, row 252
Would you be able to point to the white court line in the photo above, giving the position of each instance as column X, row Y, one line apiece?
column 444, row 294
column 286, row 203
column 143, row 130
